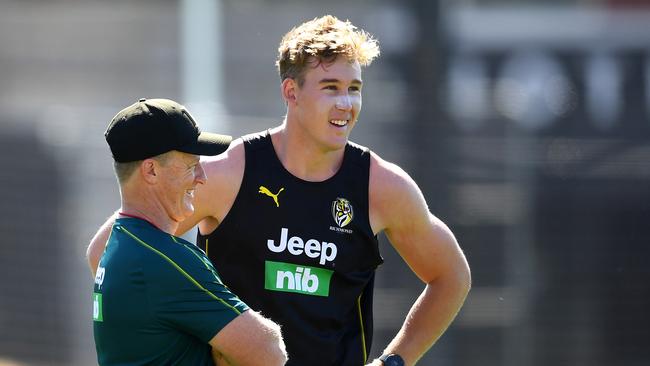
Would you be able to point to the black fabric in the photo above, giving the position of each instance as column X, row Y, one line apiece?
column 318, row 330
column 152, row 127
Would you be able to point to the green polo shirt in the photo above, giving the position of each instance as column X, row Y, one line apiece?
column 157, row 299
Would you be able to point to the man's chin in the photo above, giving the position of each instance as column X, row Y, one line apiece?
column 188, row 212
column 182, row 216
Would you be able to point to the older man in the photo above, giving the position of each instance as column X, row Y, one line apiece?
column 157, row 298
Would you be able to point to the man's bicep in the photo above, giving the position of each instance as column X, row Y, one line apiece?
column 428, row 247
column 424, row 241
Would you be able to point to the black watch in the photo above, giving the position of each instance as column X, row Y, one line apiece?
column 392, row 359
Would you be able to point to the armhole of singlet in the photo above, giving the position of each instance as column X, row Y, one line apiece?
column 360, row 157
column 364, row 160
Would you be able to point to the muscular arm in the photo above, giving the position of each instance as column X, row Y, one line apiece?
column 397, row 207
column 249, row 340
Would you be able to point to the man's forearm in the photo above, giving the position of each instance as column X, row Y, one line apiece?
column 429, row 317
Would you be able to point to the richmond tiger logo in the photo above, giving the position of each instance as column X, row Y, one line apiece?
column 342, row 212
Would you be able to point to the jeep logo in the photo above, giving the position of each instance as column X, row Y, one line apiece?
column 312, row 248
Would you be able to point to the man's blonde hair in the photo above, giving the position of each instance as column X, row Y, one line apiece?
column 325, row 39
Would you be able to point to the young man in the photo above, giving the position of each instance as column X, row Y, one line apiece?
column 157, row 299
column 290, row 216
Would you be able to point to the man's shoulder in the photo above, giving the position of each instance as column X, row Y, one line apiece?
column 392, row 193
column 140, row 232
column 385, row 175
column 226, row 163
column 137, row 244
column 382, row 171
column 228, row 167
column 156, row 248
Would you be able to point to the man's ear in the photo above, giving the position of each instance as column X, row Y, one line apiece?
column 149, row 170
column 289, row 86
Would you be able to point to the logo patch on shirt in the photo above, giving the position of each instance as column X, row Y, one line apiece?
column 312, row 248
column 99, row 277
column 289, row 277
column 343, row 214
column 266, row 191
column 97, row 307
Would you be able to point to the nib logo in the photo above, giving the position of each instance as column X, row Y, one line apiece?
column 288, row 277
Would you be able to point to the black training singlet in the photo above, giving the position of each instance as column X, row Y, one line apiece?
column 303, row 254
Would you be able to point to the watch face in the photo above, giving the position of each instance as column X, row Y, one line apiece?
column 392, row 360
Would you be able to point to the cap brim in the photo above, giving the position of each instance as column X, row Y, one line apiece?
column 208, row 144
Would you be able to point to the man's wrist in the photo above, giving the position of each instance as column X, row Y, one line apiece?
column 392, row 359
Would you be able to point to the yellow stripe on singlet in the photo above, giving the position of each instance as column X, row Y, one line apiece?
column 363, row 334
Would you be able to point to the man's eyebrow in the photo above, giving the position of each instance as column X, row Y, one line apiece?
column 327, row 81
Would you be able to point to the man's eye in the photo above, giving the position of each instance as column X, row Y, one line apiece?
column 330, row 87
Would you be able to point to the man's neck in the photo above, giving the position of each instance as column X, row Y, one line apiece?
column 302, row 158
column 155, row 216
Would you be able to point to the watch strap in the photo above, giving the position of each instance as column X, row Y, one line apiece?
column 392, row 359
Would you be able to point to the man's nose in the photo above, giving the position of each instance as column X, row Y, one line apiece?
column 200, row 174
column 344, row 102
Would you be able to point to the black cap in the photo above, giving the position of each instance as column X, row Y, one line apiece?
column 152, row 127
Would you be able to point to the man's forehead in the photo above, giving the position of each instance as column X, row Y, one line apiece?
column 316, row 62
column 341, row 70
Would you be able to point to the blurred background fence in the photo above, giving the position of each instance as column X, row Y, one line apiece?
column 526, row 124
